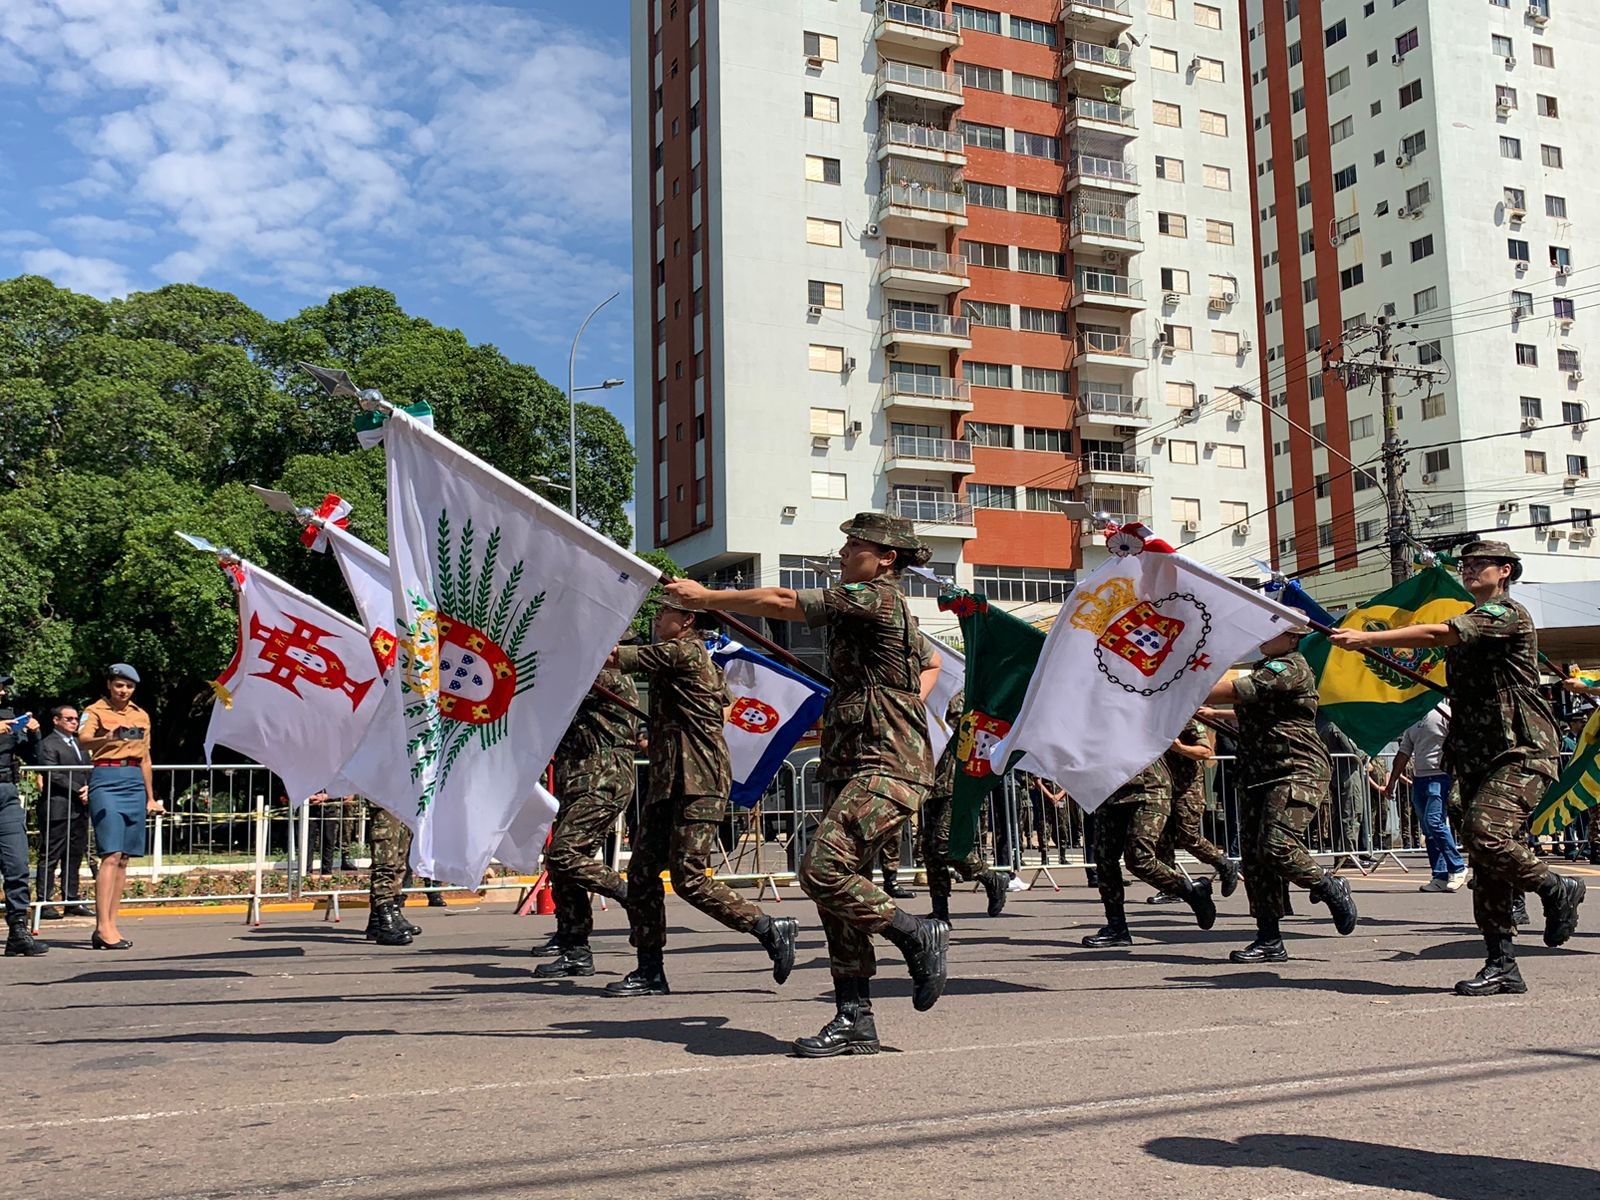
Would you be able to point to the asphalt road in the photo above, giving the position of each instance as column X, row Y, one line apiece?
column 214, row 1060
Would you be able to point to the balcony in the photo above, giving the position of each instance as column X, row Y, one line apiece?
column 1099, row 17
column 1097, row 116
column 1112, row 174
column 915, row 211
column 931, row 272
column 907, row 452
column 1104, row 289
column 1100, row 406
column 1108, row 466
column 923, row 392
column 927, row 143
column 916, row 27
column 943, row 515
column 917, row 83
column 940, row 331
column 1132, row 508
column 1105, row 231
column 1089, row 65
column 1110, row 350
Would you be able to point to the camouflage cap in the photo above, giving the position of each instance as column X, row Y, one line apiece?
column 1498, row 551
column 881, row 529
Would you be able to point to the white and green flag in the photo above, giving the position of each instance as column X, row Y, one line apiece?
column 505, row 608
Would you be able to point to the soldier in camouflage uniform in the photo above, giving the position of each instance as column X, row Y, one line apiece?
column 1131, row 824
column 876, row 765
column 1503, row 750
column 690, row 777
column 1286, row 773
column 1186, row 764
column 391, row 850
column 594, row 779
column 936, row 835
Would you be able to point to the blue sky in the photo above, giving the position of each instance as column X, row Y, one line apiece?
column 471, row 157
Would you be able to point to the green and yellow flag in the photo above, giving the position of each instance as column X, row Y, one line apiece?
column 1578, row 789
column 1372, row 703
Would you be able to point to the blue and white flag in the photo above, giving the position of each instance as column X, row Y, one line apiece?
column 1295, row 596
column 773, row 707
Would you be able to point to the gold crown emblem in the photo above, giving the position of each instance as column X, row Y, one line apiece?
column 1104, row 605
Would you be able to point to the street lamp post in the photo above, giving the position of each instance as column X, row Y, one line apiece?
column 572, row 405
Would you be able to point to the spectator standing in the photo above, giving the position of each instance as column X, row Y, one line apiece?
column 1422, row 749
column 18, row 736
column 116, row 733
column 63, row 810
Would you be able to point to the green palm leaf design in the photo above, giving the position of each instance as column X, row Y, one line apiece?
column 483, row 593
column 444, row 548
column 463, row 596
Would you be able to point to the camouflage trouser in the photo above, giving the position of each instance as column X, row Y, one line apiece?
column 888, row 858
column 678, row 834
column 1183, row 830
column 1272, row 827
column 1497, row 808
column 935, row 845
column 859, row 816
column 391, row 850
column 583, row 822
column 1131, row 830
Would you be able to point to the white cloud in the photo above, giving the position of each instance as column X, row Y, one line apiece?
column 79, row 273
column 89, row 229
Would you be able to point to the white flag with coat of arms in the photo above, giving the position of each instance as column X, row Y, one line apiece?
column 1132, row 654
column 505, row 608
column 773, row 707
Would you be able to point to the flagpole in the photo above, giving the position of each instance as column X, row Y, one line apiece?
column 1379, row 656
column 607, row 694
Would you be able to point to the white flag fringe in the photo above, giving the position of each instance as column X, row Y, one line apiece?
column 1133, row 653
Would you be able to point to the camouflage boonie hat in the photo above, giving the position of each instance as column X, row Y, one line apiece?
column 1495, row 550
column 882, row 530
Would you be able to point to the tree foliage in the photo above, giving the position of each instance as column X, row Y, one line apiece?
column 127, row 420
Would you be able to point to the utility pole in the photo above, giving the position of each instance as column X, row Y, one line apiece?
column 1394, row 465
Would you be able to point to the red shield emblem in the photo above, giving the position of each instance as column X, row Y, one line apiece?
column 976, row 739
column 753, row 716
column 1143, row 637
column 296, row 655
column 477, row 679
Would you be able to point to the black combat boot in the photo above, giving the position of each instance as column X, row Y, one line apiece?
column 1091, row 877
column 1163, row 898
column 1561, row 895
column 941, row 908
column 647, row 979
column 1288, row 899
column 925, row 943
column 1114, row 932
column 576, row 959
column 435, row 899
column 1335, row 893
column 374, row 912
column 997, row 884
column 1268, row 946
column 22, row 942
column 389, row 928
column 852, row 1030
column 1228, row 876
column 1499, row 973
column 1196, row 894
column 892, row 888
column 1519, row 909
column 779, row 936
column 554, row 948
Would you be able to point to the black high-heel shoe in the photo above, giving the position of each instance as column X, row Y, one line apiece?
column 97, row 942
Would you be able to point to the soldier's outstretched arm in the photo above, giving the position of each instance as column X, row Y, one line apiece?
column 774, row 603
column 1407, row 637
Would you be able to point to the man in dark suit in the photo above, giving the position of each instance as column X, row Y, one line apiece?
column 63, row 809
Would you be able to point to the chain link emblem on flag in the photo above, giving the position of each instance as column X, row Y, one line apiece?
column 298, row 654
column 753, row 716
column 1141, row 633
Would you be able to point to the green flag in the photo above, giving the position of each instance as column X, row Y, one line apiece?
column 1578, row 789
column 1002, row 652
column 1372, row 703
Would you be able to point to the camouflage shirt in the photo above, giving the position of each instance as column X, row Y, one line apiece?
column 1277, row 713
column 688, row 752
column 1152, row 783
column 602, row 737
column 1188, row 773
column 875, row 722
column 1497, row 711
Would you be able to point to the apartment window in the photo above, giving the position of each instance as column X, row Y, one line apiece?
column 1163, row 8
column 992, row 495
column 1550, row 156
column 1435, row 461
column 1219, row 233
column 982, row 137
column 981, row 312
column 985, row 79
column 1170, row 169
column 1515, row 198
column 1539, row 514
column 1414, row 144
column 1567, row 360
column 1555, row 206
column 1302, row 146
column 1571, row 412
column 1360, row 427
column 1172, row 224
column 1335, row 33
column 1561, row 258
column 1164, row 60
column 1578, row 464
column 1441, row 514
column 1411, row 93
column 1338, row 81
column 1228, row 455
column 1031, row 87
column 980, row 20
column 1179, row 337
column 1347, row 227
column 1183, row 453
column 1341, row 129
column 1419, row 195
column 1042, row 320
column 1185, row 512
column 1054, row 441
column 1175, row 279
column 1350, row 276
column 1302, row 195
column 1544, row 56
column 985, row 433
column 986, row 195
column 1297, row 101
column 1295, row 55
column 1046, row 499
column 1209, row 69
column 1428, row 353
column 1547, row 107
column 1040, row 204
column 1223, row 342
column 1517, row 249
column 1527, row 355
column 1500, row 45
column 1365, row 481
column 1533, row 462
column 1038, row 262
column 1424, row 301
column 1421, row 248
column 1021, row 585
column 1217, row 178
column 1345, row 178
column 1044, row 379
column 822, row 108
column 1214, row 123
column 827, row 422
column 1041, row 32
column 1564, row 309
column 823, row 294
column 1510, row 147
column 821, row 45
column 822, row 170
column 1179, row 395
column 829, row 485
column 826, row 358
column 1308, row 289
column 1035, row 145
column 1533, row 407
column 1168, row 114
column 1406, row 42
column 982, row 374
column 824, row 233
column 987, row 254
column 1432, row 406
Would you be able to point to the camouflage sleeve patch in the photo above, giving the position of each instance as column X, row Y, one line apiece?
column 1489, row 620
column 1277, row 666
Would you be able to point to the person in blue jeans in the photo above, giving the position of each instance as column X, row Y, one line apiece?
column 1422, row 748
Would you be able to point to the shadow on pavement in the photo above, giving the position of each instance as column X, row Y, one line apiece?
column 708, row 1036
column 1391, row 1168
column 1267, row 979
